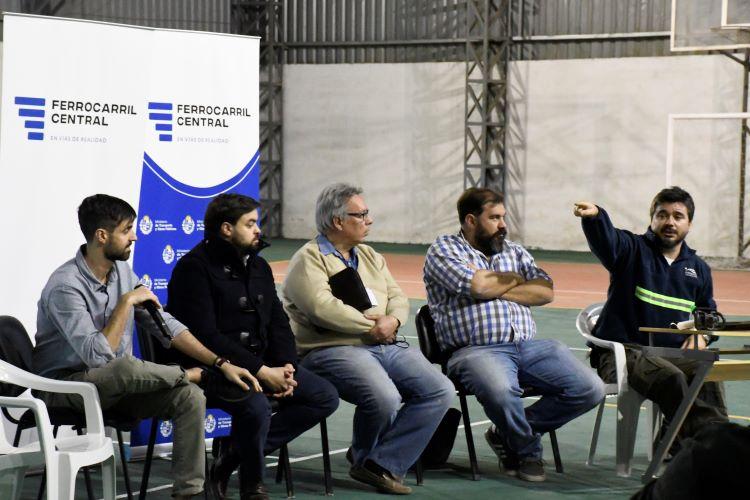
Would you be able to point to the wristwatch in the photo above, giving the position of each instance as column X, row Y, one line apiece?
column 220, row 361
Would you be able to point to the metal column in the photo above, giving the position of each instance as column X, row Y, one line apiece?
column 742, row 245
column 488, row 41
column 266, row 19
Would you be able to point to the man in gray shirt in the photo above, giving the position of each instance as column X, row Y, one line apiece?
column 85, row 333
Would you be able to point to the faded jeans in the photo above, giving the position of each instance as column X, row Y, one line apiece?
column 498, row 374
column 400, row 398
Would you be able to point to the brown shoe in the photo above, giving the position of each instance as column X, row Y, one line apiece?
column 383, row 481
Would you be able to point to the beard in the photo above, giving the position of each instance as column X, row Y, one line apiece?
column 491, row 244
column 245, row 248
column 666, row 244
column 113, row 254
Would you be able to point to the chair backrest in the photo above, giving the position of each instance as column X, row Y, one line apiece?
column 16, row 349
column 427, row 339
column 587, row 318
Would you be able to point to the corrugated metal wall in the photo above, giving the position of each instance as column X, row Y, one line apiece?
column 352, row 31
column 202, row 15
column 341, row 31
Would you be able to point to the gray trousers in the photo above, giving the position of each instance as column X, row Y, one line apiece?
column 141, row 389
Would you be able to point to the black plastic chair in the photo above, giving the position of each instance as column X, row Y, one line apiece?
column 431, row 350
column 284, row 469
column 16, row 348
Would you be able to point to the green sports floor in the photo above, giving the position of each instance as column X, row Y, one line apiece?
column 579, row 480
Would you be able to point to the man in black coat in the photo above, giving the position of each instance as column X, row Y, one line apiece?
column 225, row 293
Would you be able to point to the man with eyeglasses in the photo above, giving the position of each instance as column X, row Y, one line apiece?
column 225, row 292
column 400, row 397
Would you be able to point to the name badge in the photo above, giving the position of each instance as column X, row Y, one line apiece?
column 371, row 296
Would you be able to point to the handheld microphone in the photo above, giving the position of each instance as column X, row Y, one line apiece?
column 153, row 311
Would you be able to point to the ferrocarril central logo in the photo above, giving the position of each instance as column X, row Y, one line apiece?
column 179, row 122
column 70, row 119
column 32, row 110
column 73, row 112
column 161, row 113
column 201, row 115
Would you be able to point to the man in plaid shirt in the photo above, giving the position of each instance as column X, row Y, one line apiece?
column 480, row 288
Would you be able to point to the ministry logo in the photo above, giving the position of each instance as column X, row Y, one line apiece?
column 188, row 225
column 146, row 225
column 166, row 428
column 210, row 423
column 168, row 254
column 32, row 110
column 146, row 281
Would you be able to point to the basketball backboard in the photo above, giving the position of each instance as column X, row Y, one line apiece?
column 698, row 25
column 735, row 14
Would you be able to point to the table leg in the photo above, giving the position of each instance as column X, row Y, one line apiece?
column 679, row 418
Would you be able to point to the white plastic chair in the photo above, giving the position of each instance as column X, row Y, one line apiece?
column 63, row 457
column 628, row 400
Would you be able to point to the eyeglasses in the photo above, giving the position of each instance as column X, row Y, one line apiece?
column 359, row 215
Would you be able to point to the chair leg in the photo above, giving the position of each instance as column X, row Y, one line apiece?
column 207, row 471
column 628, row 407
column 17, row 437
column 109, row 480
column 149, row 457
column 86, row 474
column 595, row 434
column 43, row 482
column 419, row 471
column 124, row 462
column 556, row 452
column 279, row 466
column 469, row 438
column 284, row 452
column 326, row 458
column 655, row 421
column 64, row 485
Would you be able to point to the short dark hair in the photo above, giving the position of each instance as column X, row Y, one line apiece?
column 102, row 211
column 227, row 207
column 473, row 200
column 674, row 194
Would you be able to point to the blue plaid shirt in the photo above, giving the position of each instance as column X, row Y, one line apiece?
column 462, row 320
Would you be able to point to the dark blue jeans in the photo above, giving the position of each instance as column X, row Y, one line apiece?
column 256, row 432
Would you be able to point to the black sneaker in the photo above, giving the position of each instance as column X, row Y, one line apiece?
column 507, row 460
column 532, row 470
column 216, row 385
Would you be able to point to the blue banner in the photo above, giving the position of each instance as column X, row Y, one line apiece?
column 170, row 223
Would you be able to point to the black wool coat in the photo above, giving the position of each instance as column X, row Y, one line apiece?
column 218, row 297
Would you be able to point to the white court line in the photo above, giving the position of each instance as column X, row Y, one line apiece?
column 272, row 464
column 343, row 450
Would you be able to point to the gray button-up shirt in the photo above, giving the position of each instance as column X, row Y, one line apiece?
column 74, row 309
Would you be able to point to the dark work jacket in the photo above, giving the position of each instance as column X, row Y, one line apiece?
column 644, row 290
column 206, row 292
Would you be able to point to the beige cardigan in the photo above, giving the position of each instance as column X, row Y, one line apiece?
column 319, row 319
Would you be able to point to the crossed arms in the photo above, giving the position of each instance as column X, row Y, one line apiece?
column 488, row 285
column 456, row 270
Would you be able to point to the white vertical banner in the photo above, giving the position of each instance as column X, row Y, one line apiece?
column 164, row 119
column 89, row 107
